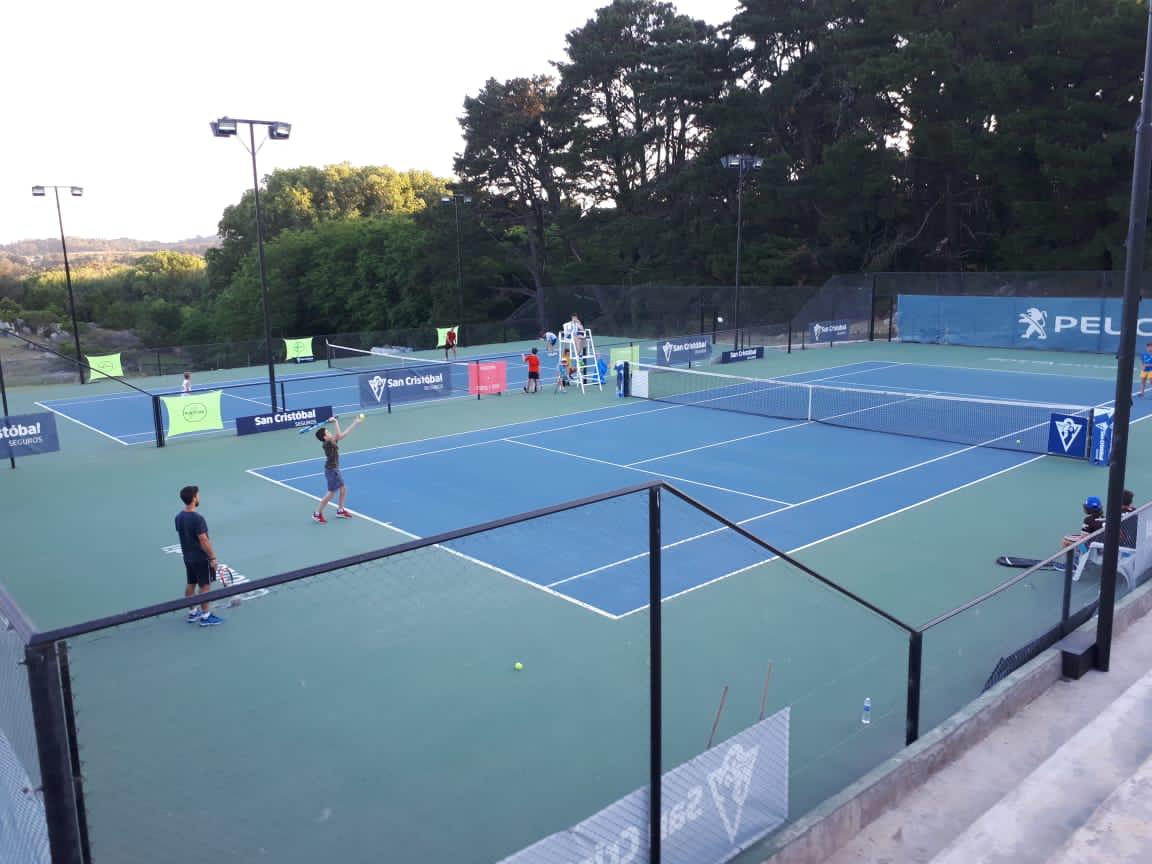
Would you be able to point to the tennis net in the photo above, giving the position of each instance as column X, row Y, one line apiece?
column 1008, row 425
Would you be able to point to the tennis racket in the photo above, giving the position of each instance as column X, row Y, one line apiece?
column 1025, row 563
column 316, row 426
column 227, row 577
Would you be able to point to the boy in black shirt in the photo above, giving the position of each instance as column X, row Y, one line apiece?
column 332, row 476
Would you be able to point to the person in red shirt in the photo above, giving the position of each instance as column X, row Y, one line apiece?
column 533, row 361
column 450, row 343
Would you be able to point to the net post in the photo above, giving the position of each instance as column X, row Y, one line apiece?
column 915, row 664
column 789, row 337
column 283, row 395
column 328, row 352
column 158, row 420
column 4, row 397
column 159, row 368
column 59, row 778
column 1066, row 608
column 388, row 398
column 655, row 677
column 891, row 316
column 476, row 363
column 804, row 338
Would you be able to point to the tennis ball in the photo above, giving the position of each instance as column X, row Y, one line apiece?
column 1018, row 441
column 518, row 666
column 361, row 416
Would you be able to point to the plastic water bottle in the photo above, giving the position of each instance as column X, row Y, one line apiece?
column 866, row 713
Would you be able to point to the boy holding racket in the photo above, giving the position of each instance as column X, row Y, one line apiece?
column 332, row 474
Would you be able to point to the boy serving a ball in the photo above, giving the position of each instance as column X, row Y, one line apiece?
column 332, row 475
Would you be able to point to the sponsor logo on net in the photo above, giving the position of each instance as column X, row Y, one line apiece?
column 819, row 330
column 19, row 434
column 744, row 353
column 1069, row 430
column 303, row 417
column 1035, row 323
column 729, row 786
column 671, row 348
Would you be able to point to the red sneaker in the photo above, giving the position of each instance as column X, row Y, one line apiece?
column 343, row 514
column 319, row 517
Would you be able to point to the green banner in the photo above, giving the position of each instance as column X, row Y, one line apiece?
column 193, row 412
column 442, row 334
column 104, row 367
column 299, row 349
column 625, row 354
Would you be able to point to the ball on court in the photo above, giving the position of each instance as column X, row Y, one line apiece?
column 518, row 666
column 361, row 416
column 1018, row 441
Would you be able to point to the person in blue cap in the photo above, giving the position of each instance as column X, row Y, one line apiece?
column 1093, row 515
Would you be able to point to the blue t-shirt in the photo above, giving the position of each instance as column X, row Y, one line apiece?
column 190, row 525
column 1146, row 360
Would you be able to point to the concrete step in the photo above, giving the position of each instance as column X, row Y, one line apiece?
column 1120, row 831
column 1036, row 819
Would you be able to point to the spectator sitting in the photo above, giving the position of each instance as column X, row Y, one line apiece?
column 1093, row 515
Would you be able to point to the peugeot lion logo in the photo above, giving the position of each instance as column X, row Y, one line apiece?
column 1035, row 323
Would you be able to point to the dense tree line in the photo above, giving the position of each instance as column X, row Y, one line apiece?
column 894, row 135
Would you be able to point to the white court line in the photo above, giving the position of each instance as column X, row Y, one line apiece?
column 82, row 423
column 614, row 407
column 645, row 471
column 723, row 443
column 846, row 530
column 1012, row 371
column 469, row 558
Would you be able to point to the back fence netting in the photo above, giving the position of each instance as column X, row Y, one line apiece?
column 23, row 826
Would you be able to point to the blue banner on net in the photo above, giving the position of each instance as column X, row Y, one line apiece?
column 1103, row 420
column 1040, row 323
column 1068, row 436
column 28, row 434
column 407, row 384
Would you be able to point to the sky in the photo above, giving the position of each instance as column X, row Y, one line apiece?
column 116, row 96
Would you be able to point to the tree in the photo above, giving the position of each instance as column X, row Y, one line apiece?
column 514, row 147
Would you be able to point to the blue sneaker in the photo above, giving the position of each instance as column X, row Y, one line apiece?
column 210, row 620
column 193, row 616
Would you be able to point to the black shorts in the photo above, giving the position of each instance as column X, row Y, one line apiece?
column 199, row 573
column 533, row 376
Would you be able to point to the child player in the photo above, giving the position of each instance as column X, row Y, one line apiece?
column 1145, row 367
column 187, row 383
column 332, row 474
column 533, row 361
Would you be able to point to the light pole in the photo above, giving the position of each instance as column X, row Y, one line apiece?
column 77, row 191
column 226, row 127
column 456, row 199
column 742, row 162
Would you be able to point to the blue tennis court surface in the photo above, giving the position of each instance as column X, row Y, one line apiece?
column 794, row 482
column 126, row 417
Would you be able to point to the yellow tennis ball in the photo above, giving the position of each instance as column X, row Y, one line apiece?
column 362, row 417
column 518, row 666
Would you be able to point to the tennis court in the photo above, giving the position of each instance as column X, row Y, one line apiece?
column 365, row 708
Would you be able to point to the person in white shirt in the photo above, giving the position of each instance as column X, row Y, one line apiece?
column 576, row 327
column 187, row 383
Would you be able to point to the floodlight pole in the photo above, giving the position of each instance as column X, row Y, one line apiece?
column 456, row 198
column 76, row 190
column 263, row 269
column 744, row 163
column 1133, row 270
column 225, row 127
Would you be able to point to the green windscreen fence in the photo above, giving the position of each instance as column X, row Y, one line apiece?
column 105, row 366
column 193, row 412
column 299, row 350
